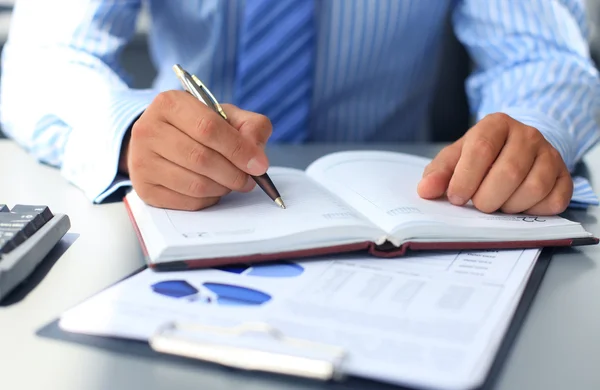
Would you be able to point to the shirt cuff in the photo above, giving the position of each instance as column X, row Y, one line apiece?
column 92, row 154
column 583, row 194
column 557, row 136
column 120, row 182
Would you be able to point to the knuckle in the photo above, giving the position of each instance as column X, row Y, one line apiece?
column 197, row 187
column 264, row 124
column 166, row 100
column 444, row 161
column 531, row 135
column 237, row 149
column 239, row 181
column 483, row 147
column 205, row 127
column 557, row 204
column 141, row 129
column 537, row 187
column 499, row 118
column 198, row 156
column 443, row 153
column 554, row 154
column 512, row 172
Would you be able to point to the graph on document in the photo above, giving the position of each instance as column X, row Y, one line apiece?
column 222, row 294
column 277, row 269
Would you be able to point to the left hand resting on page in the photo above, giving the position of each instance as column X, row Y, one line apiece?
column 501, row 165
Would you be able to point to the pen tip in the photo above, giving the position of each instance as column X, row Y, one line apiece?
column 280, row 203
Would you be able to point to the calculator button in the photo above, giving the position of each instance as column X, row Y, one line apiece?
column 9, row 240
column 43, row 211
column 20, row 223
column 6, row 243
column 11, row 222
column 36, row 219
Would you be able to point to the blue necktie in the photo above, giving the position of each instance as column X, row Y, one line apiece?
column 275, row 64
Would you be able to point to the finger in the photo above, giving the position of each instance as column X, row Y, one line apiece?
column 208, row 128
column 508, row 171
column 557, row 200
column 159, row 196
column 255, row 126
column 481, row 147
column 184, row 151
column 437, row 174
column 537, row 185
column 170, row 175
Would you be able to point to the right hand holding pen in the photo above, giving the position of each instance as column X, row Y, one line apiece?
column 182, row 155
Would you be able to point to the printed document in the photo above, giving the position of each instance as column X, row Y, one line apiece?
column 432, row 319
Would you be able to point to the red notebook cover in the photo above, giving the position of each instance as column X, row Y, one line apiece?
column 367, row 247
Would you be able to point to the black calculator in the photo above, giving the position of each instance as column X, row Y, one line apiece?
column 27, row 234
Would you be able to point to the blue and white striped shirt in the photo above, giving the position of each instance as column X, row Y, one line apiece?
column 373, row 79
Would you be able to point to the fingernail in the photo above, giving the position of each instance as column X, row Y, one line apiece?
column 255, row 167
column 455, row 199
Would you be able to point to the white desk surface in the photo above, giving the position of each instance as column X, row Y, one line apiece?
column 558, row 346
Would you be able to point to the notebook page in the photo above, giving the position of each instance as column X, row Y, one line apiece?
column 427, row 320
column 251, row 217
column 383, row 186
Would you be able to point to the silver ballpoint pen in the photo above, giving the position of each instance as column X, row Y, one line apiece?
column 196, row 88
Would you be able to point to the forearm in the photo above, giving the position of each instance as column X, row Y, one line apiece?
column 532, row 63
column 78, row 128
column 64, row 97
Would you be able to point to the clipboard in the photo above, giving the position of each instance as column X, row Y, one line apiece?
column 193, row 344
column 278, row 354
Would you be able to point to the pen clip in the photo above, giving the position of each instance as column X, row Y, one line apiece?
column 210, row 96
column 185, row 82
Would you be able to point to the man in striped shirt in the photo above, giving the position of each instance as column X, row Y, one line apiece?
column 301, row 71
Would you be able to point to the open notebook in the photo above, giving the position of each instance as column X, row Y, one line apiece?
column 346, row 201
column 426, row 320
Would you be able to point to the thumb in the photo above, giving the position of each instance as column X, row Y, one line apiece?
column 251, row 125
column 438, row 173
